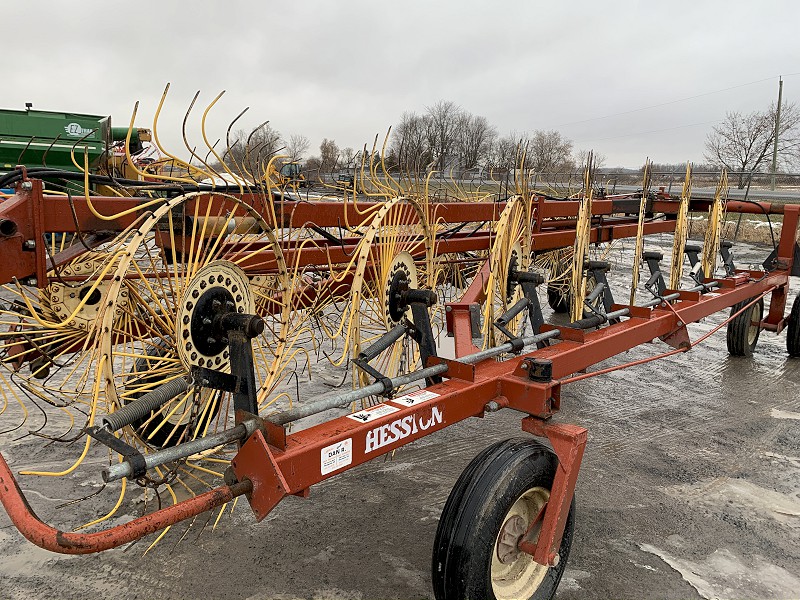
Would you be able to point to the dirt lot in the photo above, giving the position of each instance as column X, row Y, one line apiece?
column 690, row 487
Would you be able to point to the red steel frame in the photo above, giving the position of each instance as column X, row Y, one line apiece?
column 272, row 464
column 279, row 465
column 31, row 214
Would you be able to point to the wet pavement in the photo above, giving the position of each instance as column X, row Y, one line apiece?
column 690, row 487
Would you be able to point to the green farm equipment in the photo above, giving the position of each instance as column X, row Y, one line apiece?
column 46, row 141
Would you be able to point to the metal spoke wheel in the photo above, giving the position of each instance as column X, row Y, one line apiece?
column 49, row 335
column 191, row 245
column 560, row 273
column 396, row 254
column 498, row 497
column 744, row 329
column 510, row 252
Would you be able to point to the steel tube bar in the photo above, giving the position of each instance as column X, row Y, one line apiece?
column 338, row 400
column 67, row 542
column 477, row 357
column 124, row 469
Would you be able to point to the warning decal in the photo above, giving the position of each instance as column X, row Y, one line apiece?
column 337, row 456
column 415, row 398
column 372, row 413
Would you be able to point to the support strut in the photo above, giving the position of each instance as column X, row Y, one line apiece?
column 64, row 542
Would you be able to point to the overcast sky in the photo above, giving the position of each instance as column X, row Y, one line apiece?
column 348, row 70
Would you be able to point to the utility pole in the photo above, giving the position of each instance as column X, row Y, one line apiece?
column 777, row 128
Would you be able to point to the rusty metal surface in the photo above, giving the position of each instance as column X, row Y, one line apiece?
column 25, row 520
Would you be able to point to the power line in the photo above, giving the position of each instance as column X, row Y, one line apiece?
column 635, row 110
column 615, row 137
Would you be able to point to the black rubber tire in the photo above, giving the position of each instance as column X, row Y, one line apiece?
column 739, row 329
column 475, row 512
column 558, row 299
column 793, row 329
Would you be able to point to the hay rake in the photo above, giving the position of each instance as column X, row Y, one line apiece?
column 168, row 327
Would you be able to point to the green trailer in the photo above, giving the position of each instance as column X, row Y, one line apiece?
column 46, row 138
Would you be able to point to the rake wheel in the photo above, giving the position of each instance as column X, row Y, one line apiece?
column 396, row 250
column 49, row 336
column 510, row 251
column 188, row 244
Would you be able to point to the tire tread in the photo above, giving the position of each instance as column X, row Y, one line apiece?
column 465, row 537
column 793, row 329
column 739, row 328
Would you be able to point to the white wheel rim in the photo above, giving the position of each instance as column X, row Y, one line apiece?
column 522, row 576
column 755, row 323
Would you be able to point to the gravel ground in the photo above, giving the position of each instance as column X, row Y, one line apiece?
column 690, row 487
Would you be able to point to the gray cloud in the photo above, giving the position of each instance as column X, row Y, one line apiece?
column 348, row 70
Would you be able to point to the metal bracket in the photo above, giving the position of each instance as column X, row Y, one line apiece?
column 239, row 329
column 569, row 442
column 771, row 262
column 214, row 379
column 727, row 257
column 598, row 270
column 421, row 331
column 656, row 284
column 528, row 281
column 131, row 454
column 693, row 252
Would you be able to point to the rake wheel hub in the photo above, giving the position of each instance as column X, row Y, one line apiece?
column 402, row 277
column 217, row 289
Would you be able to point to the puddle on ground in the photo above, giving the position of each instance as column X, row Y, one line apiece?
column 724, row 494
column 784, row 414
column 722, row 574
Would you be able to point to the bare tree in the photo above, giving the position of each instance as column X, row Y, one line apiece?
column 328, row 155
column 441, row 131
column 503, row 154
column 297, row 147
column 598, row 159
column 409, row 145
column 475, row 139
column 349, row 157
column 548, row 152
column 445, row 136
column 249, row 152
column 744, row 143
